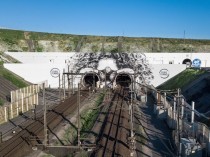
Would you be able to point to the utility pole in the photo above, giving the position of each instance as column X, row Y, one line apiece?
column 59, row 82
column 68, row 83
column 165, row 101
column 178, row 123
column 34, row 111
column 131, row 120
column 192, row 113
column 78, row 104
column 105, row 80
column 192, row 116
column 72, row 83
column 45, row 117
column 93, row 85
column 175, row 115
column 64, row 85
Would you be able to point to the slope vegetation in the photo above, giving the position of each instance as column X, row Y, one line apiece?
column 195, row 86
column 182, row 79
column 8, row 82
column 15, row 40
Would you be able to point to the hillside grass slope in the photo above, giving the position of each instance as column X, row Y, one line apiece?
column 182, row 79
column 15, row 40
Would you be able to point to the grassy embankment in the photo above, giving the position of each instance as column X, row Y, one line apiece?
column 181, row 80
column 88, row 117
column 10, row 77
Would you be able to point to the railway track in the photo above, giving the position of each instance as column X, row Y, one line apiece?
column 113, row 138
column 15, row 125
column 21, row 144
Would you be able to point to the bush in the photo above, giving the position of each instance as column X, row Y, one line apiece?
column 114, row 50
column 95, row 48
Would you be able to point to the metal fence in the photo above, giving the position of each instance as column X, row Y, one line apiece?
column 195, row 130
column 175, row 114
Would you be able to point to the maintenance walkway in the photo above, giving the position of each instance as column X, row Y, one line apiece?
column 153, row 137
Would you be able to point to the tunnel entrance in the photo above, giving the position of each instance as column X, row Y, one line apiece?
column 123, row 80
column 187, row 61
column 90, row 79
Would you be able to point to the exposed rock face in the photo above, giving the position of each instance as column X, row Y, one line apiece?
column 13, row 40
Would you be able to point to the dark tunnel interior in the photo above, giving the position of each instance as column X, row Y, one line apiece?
column 123, row 80
column 90, row 79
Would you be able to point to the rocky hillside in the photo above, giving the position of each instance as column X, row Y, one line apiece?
column 14, row 40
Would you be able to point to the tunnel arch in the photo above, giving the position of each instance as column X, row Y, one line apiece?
column 123, row 79
column 187, row 61
column 90, row 79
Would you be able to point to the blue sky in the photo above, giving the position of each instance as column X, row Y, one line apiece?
column 135, row 18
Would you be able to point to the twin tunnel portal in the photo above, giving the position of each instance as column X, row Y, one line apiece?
column 93, row 79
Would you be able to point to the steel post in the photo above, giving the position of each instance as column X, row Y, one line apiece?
column 78, row 104
column 45, row 117
column 192, row 112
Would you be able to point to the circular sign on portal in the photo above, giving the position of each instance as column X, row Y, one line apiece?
column 164, row 73
column 55, row 72
column 196, row 63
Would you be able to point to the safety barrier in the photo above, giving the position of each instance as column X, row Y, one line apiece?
column 177, row 118
column 22, row 100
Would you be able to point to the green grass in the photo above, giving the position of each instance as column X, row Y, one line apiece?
column 182, row 79
column 12, row 78
column 12, row 39
column 11, row 36
column 1, row 102
column 89, row 118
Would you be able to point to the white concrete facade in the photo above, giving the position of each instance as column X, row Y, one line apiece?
column 38, row 67
column 152, row 58
column 177, row 58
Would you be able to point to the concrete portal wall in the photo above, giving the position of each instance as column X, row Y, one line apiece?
column 152, row 58
column 177, row 58
column 37, row 67
column 42, row 57
column 164, row 72
column 37, row 73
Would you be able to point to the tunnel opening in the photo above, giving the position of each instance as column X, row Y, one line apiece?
column 123, row 80
column 187, row 61
column 90, row 80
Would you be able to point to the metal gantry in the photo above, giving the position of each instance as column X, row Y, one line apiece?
column 71, row 74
